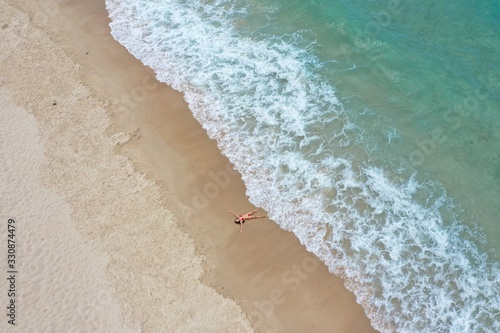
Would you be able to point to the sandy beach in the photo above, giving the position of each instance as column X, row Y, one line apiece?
column 122, row 200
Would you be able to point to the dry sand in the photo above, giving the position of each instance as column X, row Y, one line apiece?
column 122, row 199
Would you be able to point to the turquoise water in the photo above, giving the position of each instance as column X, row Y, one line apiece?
column 421, row 79
column 374, row 125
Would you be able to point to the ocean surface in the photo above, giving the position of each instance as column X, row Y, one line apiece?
column 373, row 126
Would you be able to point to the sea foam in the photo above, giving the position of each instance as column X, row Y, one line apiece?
column 398, row 244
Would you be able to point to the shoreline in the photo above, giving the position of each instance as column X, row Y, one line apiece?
column 266, row 271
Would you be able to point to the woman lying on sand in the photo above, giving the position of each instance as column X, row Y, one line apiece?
column 242, row 218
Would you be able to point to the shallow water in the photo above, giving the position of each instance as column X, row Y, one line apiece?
column 374, row 124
